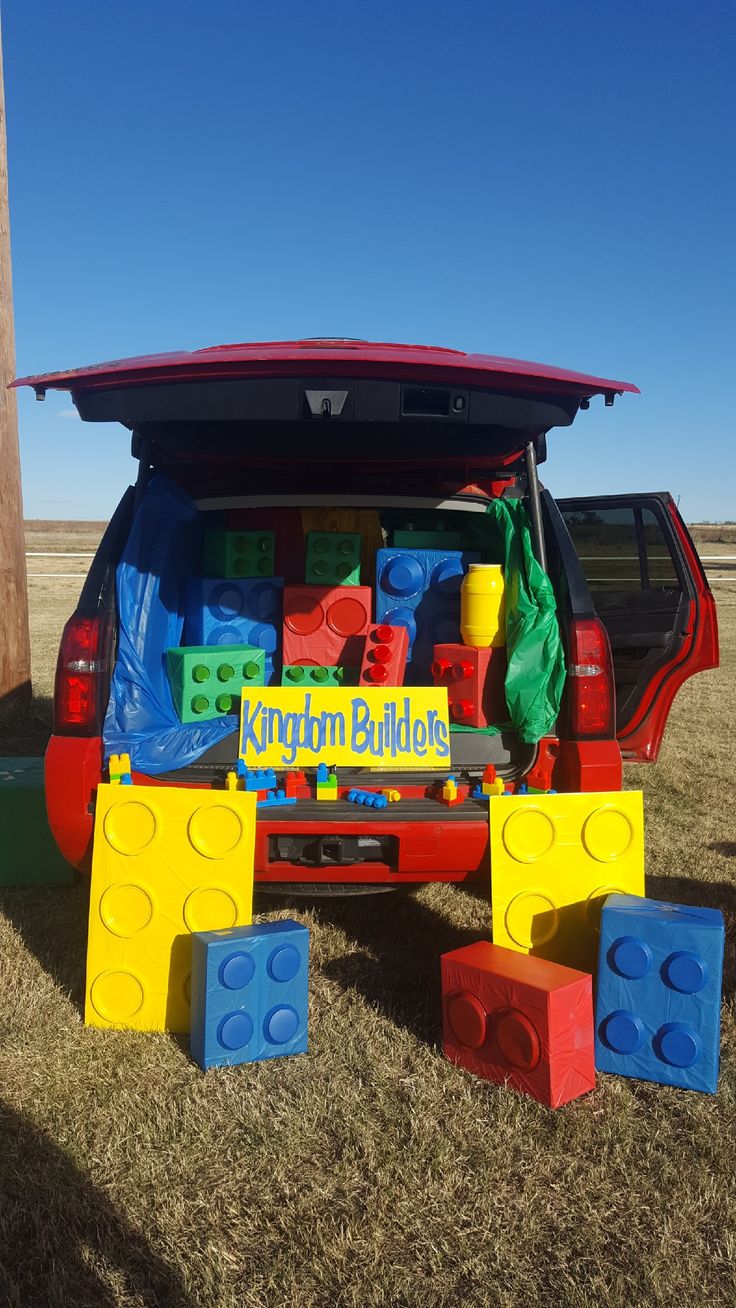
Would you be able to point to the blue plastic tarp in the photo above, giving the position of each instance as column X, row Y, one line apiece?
column 162, row 552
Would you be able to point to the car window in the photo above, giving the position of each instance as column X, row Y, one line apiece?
column 622, row 549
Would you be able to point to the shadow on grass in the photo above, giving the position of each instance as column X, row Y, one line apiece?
column 53, row 926
column 704, row 894
column 25, row 726
column 61, row 1240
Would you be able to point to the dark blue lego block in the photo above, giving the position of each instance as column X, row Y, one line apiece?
column 242, row 611
column 658, row 1005
column 249, row 993
column 256, row 778
column 420, row 590
column 276, row 799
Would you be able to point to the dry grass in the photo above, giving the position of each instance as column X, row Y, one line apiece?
column 369, row 1172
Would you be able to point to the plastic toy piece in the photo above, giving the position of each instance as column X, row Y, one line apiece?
column 260, row 780
column 325, row 626
column 384, row 657
column 393, row 796
column 326, row 782
column 29, row 855
column 420, row 590
column 370, row 798
column 249, row 993
column 408, row 538
column 232, row 782
column 333, row 558
column 167, row 860
column 555, row 858
column 658, row 1007
column 292, row 782
column 119, row 768
column 239, row 611
column 490, row 783
column 451, row 794
column 475, row 683
column 239, row 553
column 276, row 799
column 519, row 1021
column 207, row 683
column 300, row 674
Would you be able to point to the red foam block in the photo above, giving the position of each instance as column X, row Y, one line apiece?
column 516, row 1019
column 326, row 625
column 474, row 679
column 384, row 657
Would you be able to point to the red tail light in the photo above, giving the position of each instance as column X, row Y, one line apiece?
column 77, row 692
column 591, row 695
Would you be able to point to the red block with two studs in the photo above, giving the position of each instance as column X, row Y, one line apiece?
column 519, row 1020
column 475, row 683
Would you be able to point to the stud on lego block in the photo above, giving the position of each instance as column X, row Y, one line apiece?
column 302, row 674
column 206, row 683
column 420, row 590
column 238, row 554
column 475, row 683
column 519, row 1021
column 555, row 858
column 658, row 1003
column 237, row 612
column 325, row 626
column 384, row 656
column 249, row 993
column 333, row 558
column 167, row 861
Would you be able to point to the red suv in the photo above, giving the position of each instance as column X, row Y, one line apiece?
column 424, row 438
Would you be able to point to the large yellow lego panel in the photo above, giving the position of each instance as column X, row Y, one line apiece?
column 554, row 858
column 166, row 861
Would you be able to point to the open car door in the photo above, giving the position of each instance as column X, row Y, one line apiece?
column 651, row 593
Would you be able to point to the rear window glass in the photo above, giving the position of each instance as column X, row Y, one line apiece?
column 622, row 549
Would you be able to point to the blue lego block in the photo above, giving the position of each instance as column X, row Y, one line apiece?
column 368, row 798
column 276, row 799
column 256, row 778
column 420, row 590
column 658, row 1005
column 249, row 993
column 242, row 611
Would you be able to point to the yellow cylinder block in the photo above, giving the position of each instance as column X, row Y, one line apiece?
column 482, row 606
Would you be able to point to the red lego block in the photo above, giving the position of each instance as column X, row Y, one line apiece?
column 475, row 683
column 325, row 625
column 296, row 785
column 384, row 659
column 513, row 1018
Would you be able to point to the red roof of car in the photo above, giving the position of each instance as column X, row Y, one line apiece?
column 332, row 356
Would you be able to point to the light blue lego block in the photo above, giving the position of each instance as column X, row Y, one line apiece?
column 420, row 590
column 242, row 611
column 276, row 799
column 249, row 993
column 658, row 1004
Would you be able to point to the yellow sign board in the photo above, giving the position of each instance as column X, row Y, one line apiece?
column 288, row 726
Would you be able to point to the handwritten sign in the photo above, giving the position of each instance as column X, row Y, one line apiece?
column 287, row 726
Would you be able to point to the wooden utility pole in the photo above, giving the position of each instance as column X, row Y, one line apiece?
column 15, row 646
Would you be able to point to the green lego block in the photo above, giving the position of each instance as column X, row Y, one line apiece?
column 206, row 680
column 28, row 852
column 294, row 674
column 428, row 540
column 333, row 558
column 238, row 554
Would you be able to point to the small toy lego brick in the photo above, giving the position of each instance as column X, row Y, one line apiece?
column 119, row 768
column 451, row 794
column 325, row 626
column 658, row 1006
column 259, row 779
column 475, row 683
column 237, row 612
column 554, row 859
column 302, row 674
column 238, row 554
column 276, row 799
column 207, row 683
column 167, row 860
column 326, row 782
column 249, row 993
column 384, row 657
column 370, row 798
column 232, row 782
column 292, row 782
column 490, row 783
column 333, row 558
column 420, row 590
column 519, row 1021
column 408, row 538
column 393, row 796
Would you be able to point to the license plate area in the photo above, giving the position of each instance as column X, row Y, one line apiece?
column 336, row 850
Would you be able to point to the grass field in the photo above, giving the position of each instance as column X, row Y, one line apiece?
column 369, row 1172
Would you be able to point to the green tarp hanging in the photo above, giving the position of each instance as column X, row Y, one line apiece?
column 536, row 663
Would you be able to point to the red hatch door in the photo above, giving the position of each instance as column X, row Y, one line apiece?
column 650, row 591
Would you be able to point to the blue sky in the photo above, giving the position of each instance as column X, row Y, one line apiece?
column 550, row 181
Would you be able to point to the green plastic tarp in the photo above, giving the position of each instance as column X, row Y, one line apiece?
column 535, row 675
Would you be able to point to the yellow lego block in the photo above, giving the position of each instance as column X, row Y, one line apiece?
column 554, row 858
column 449, row 789
column 327, row 792
column 393, row 796
column 166, row 861
column 495, row 787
